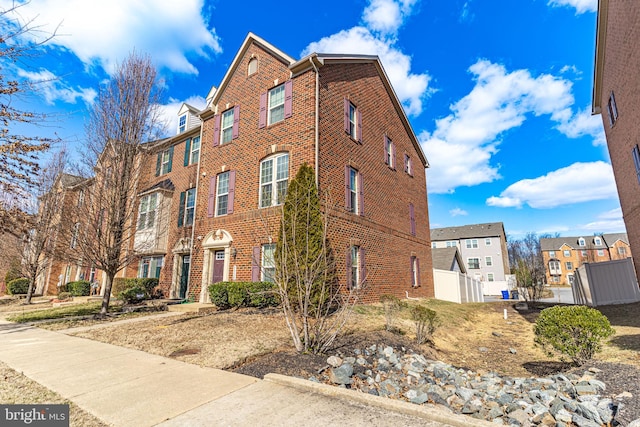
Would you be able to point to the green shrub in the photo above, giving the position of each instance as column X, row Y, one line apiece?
column 18, row 286
column 219, row 296
column 225, row 295
column 118, row 286
column 426, row 321
column 132, row 290
column 78, row 288
column 391, row 306
column 63, row 296
column 573, row 332
column 14, row 271
column 134, row 294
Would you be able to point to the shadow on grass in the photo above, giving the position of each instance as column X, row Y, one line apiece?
column 543, row 369
column 626, row 342
column 618, row 315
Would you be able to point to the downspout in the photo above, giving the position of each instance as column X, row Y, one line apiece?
column 317, row 136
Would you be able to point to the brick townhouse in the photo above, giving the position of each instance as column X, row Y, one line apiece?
column 615, row 97
column 340, row 115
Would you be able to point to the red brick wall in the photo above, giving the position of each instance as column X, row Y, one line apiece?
column 620, row 76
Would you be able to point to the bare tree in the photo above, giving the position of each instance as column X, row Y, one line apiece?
column 526, row 261
column 19, row 151
column 124, row 117
column 47, row 219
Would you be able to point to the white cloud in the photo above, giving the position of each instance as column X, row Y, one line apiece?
column 607, row 222
column 458, row 212
column 561, row 187
column 460, row 148
column 581, row 6
column 169, row 112
column 105, row 32
column 584, row 123
column 382, row 19
column 53, row 88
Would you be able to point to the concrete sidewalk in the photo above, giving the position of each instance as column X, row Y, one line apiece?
column 125, row 387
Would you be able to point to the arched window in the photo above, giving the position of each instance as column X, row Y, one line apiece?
column 253, row 66
column 274, row 180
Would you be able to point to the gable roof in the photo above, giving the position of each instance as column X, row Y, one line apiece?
column 556, row 243
column 491, row 229
column 611, row 238
column 445, row 258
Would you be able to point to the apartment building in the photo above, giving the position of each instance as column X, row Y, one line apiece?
column 615, row 87
column 482, row 247
column 563, row 255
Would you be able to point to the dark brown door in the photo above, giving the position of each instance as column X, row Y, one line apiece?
column 218, row 267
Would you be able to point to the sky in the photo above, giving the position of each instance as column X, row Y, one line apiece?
column 498, row 92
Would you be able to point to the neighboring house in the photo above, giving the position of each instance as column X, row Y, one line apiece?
column 448, row 259
column 483, row 248
column 616, row 74
column 339, row 114
column 563, row 255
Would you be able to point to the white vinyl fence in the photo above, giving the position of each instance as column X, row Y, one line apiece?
column 606, row 283
column 456, row 287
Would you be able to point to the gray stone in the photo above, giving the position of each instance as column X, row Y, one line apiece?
column 634, row 423
column 624, row 395
column 496, row 334
column 598, row 384
column 465, row 393
column 563, row 415
column 495, row 413
column 513, row 350
column 470, row 408
column 483, row 349
column 589, row 411
column 341, row 374
column 334, row 361
column 519, row 415
column 583, row 422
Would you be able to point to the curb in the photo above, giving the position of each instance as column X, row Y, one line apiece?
column 431, row 412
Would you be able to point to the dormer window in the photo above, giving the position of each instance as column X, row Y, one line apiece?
column 581, row 242
column 182, row 126
column 597, row 241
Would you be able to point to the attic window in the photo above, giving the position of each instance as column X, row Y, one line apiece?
column 597, row 241
column 581, row 242
column 253, row 66
column 182, row 126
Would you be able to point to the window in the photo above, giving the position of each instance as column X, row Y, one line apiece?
column 354, row 201
column 81, row 197
column 568, row 265
column 222, row 194
column 612, row 109
column 227, row 127
column 555, row 279
column 274, row 174
column 433, row 245
column 407, row 165
column 268, row 262
column 600, row 252
column 636, row 160
column 552, row 254
column 192, row 151
column 253, row 66
column 389, row 153
column 452, row 244
column 276, row 104
column 487, row 241
column 554, row 265
column 352, row 121
column 490, row 277
column 182, row 125
column 150, row 267
column 415, row 272
column 412, row 219
column 472, row 243
column 74, row 236
column 581, row 242
column 356, row 272
column 622, row 250
column 187, row 207
column 583, row 253
column 597, row 241
column 147, row 211
column 488, row 261
column 163, row 163
column 474, row 263
column 566, row 253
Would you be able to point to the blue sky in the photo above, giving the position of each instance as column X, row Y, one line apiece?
column 498, row 92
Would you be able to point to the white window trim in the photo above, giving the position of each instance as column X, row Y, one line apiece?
column 355, row 267
column 354, row 191
column 581, row 242
column 353, row 121
column 488, row 261
column 469, row 263
column 389, row 153
column 270, row 108
column 164, row 164
column 146, row 225
column 220, row 194
column 264, row 262
column 229, row 126
column 193, row 151
column 273, row 181
column 182, row 127
column 471, row 243
column 187, row 208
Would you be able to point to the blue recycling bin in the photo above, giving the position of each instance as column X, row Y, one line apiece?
column 505, row 294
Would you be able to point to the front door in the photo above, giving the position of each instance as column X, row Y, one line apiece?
column 184, row 276
column 218, row 267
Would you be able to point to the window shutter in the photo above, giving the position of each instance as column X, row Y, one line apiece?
column 216, row 130
column 393, row 156
column 360, row 195
column 288, row 99
column 349, row 267
column 262, row 122
column 418, row 271
column 363, row 268
column 212, row 197
column 347, row 190
column 181, row 209
column 187, row 151
column 158, row 164
column 346, row 115
column 636, row 160
column 359, row 121
column 236, row 121
column 255, row 264
column 232, row 191
column 413, row 276
column 170, row 158
column 412, row 219
column 386, row 157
